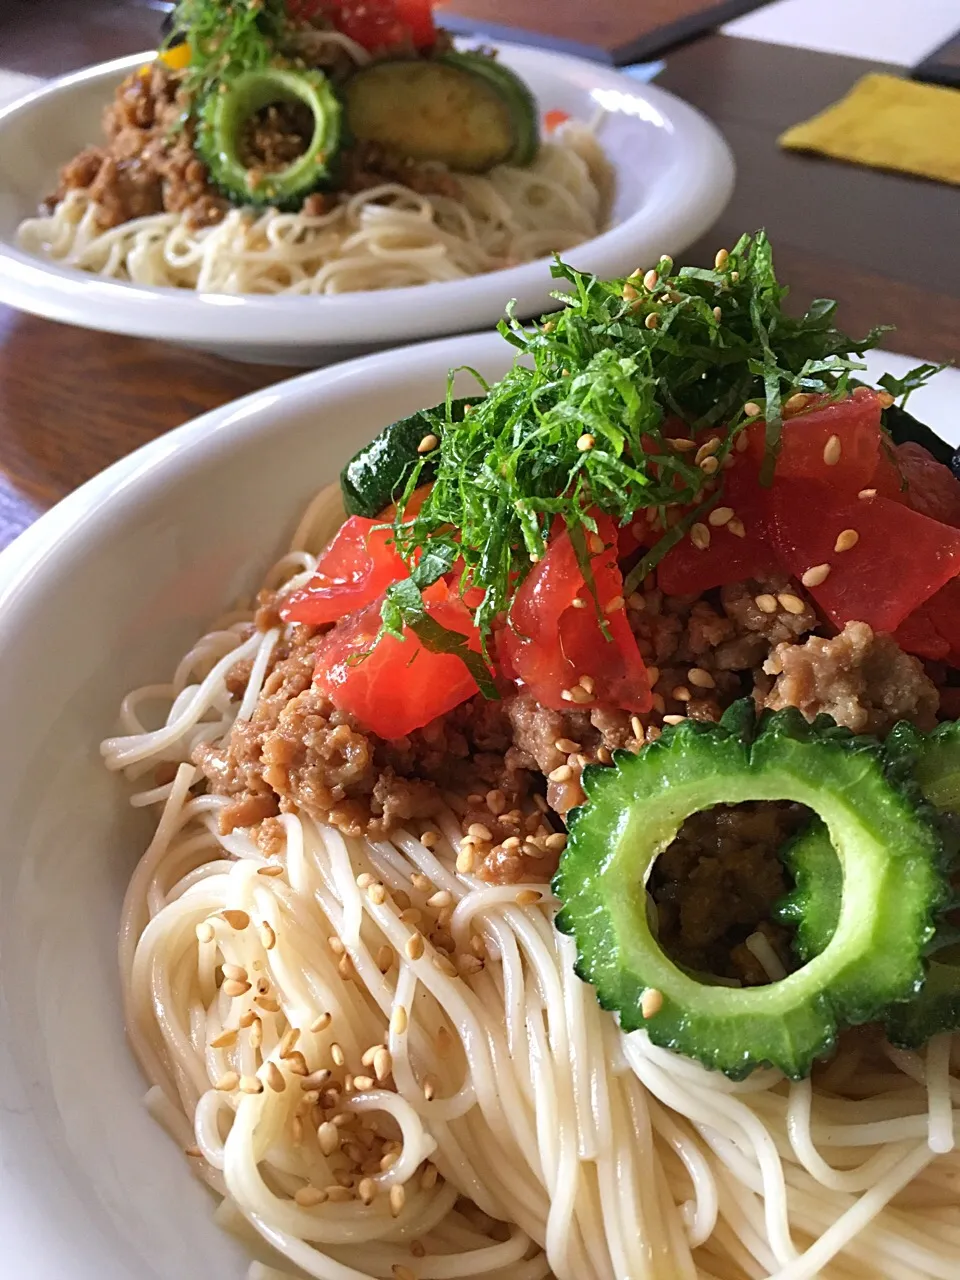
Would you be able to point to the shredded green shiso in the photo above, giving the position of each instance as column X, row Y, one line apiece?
column 563, row 433
column 227, row 37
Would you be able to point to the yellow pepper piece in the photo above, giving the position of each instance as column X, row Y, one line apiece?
column 175, row 58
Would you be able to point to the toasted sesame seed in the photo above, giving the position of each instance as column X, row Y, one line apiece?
column 477, row 831
column 707, row 449
column 288, row 1040
column 720, row 516
column 685, row 445
column 205, row 931
column 735, row 526
column 442, row 898
column 636, row 727
column 792, row 604
column 224, row 1040
column 629, row 293
column 228, row 1082
column 653, row 675
column 367, row 1190
column 586, row 442
column 766, row 603
column 831, row 451
column 256, row 1033
column 336, row 945
column 233, row 988
column 701, row 679
column 366, row 1058
column 700, row 536
column 866, row 494
column 674, row 719
column 399, row 1020
column 651, row 1002
column 420, row 881
column 578, row 603
column 397, row 1198
column 527, row 897
column 414, row 946
column 250, row 1084
column 815, row 575
column 651, row 280
column 193, row 1152
column 558, row 840
column 717, row 313
column 752, row 409
column 428, row 443
column 337, row 1055
column 651, row 321
column 267, row 1003
column 268, row 938
column 496, row 801
column 428, row 1179
column 382, row 1063
column 384, row 958
column 614, row 604
column 847, row 539
column 467, row 860
column 236, row 919
column 337, row 1194
column 658, row 704
column 271, row 869
column 377, row 894
column 578, row 694
column 721, row 260
column 566, row 745
column 308, row 1197
column 886, row 399
column 296, row 1063
column 445, row 965
column 680, row 693
column 710, row 466
column 734, row 276
column 321, row 1023
column 430, row 839
column 247, row 1019
column 363, row 1084
column 596, row 544
column 274, row 1077
column 562, row 773
column 742, row 442
column 796, row 402
column 429, row 1088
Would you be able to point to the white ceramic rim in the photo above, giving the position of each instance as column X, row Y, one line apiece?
column 705, row 176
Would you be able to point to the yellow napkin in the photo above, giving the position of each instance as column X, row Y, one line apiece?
column 890, row 124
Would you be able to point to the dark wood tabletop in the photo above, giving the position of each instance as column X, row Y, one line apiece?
column 73, row 401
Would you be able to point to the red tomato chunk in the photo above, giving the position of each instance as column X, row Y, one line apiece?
column 357, row 567
column 395, row 686
column 554, row 642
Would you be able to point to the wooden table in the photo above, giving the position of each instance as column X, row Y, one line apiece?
column 72, row 401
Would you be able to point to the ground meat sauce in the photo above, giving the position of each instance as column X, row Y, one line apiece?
column 716, row 884
column 511, row 769
column 148, row 165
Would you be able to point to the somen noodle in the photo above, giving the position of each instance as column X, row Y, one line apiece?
column 387, row 1067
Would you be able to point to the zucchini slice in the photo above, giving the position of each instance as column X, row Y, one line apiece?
column 376, row 475
column 892, row 886
column 463, row 109
column 219, row 144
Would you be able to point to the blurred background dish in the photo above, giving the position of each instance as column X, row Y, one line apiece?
column 672, row 176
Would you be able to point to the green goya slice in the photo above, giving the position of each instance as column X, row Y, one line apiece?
column 465, row 110
column 932, row 763
column 376, row 474
column 893, row 885
column 219, row 137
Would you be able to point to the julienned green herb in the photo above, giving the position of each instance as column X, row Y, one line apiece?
column 226, row 38
column 579, row 423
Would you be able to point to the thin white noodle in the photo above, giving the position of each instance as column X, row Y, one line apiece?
column 606, row 1155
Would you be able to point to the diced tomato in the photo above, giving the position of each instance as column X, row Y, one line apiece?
column 807, row 446
column 900, row 559
column 375, row 24
column 552, row 120
column 932, row 489
column 399, row 685
column 357, row 567
column 551, row 642
column 918, row 634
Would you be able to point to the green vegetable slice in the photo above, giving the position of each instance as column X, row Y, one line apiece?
column 932, row 762
column 892, row 886
column 465, row 110
column 219, row 137
column 377, row 474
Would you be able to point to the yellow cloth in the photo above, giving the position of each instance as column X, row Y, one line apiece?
column 890, row 124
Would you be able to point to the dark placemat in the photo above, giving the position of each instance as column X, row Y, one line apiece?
column 942, row 66
column 618, row 32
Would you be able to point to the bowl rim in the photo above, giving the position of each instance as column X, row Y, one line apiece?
column 703, row 171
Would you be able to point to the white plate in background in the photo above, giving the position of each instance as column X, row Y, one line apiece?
column 673, row 174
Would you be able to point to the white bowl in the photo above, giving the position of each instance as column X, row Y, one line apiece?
column 674, row 175
column 104, row 593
